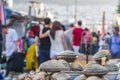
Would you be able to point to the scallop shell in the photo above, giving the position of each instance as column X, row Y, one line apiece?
column 94, row 69
column 102, row 53
column 81, row 77
column 55, row 65
column 76, row 66
column 60, row 76
column 93, row 78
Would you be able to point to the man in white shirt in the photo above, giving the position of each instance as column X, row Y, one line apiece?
column 11, row 42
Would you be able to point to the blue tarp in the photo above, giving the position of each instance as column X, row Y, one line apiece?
column 8, row 12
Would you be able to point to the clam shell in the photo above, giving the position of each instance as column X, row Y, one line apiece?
column 55, row 66
column 67, row 52
column 104, row 78
column 112, row 67
column 40, row 76
column 60, row 76
column 81, row 77
column 94, row 69
column 69, row 56
column 76, row 66
column 93, row 78
column 102, row 53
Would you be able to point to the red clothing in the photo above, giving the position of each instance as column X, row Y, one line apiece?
column 77, row 33
column 31, row 34
column 87, row 37
column 35, row 29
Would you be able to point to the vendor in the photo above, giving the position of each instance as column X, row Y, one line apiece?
column 114, row 43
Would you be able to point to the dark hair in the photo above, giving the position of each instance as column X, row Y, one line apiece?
column 108, row 33
column 98, row 32
column 116, row 28
column 55, row 26
column 94, row 34
column 47, row 21
column 63, row 27
column 4, row 26
column 80, row 22
column 71, row 25
column 86, row 29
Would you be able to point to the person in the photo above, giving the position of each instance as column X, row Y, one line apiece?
column 44, row 53
column 94, row 38
column 30, row 56
column 98, row 33
column 63, row 27
column 114, row 43
column 107, row 36
column 68, row 34
column 11, row 43
column 95, row 42
column 102, row 42
column 86, row 42
column 87, row 36
column 32, row 34
column 31, row 52
column 56, row 35
column 31, row 38
column 76, row 36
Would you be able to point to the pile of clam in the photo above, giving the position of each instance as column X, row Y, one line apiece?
column 55, row 69
column 97, row 69
column 70, row 57
column 102, row 57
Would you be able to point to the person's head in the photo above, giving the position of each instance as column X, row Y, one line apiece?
column 94, row 34
column 80, row 23
column 99, row 33
column 71, row 25
column 108, row 33
column 115, row 30
column 47, row 21
column 4, row 29
column 86, row 29
column 55, row 26
column 11, row 22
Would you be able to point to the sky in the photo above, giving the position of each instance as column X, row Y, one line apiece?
column 80, row 2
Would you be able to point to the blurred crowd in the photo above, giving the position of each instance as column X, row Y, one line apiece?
column 43, row 42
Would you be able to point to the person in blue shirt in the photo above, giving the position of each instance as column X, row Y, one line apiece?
column 114, row 43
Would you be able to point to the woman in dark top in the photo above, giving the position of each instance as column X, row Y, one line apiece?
column 44, row 52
